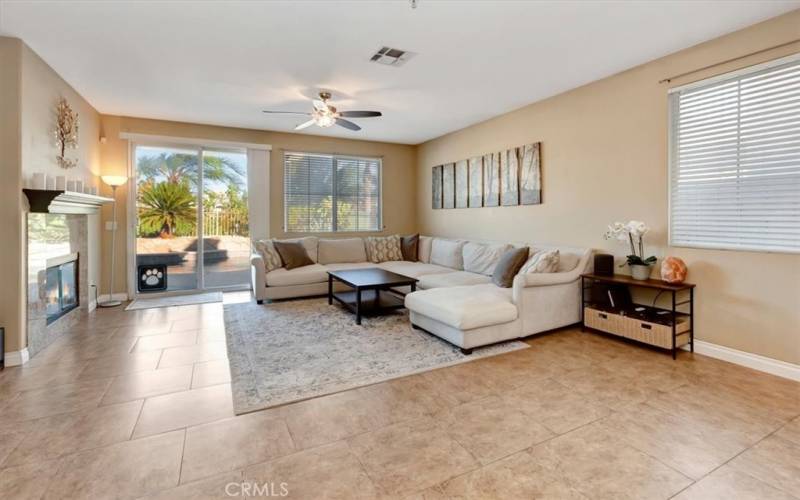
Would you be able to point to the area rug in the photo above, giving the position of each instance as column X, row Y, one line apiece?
column 294, row 350
column 175, row 300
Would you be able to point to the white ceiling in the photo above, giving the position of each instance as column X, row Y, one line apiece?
column 223, row 62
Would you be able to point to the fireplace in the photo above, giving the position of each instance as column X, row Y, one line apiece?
column 62, row 292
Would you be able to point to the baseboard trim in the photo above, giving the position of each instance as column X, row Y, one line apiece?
column 117, row 296
column 754, row 361
column 17, row 358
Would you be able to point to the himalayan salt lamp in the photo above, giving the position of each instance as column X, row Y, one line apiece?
column 673, row 270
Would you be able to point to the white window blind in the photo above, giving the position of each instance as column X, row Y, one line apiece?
column 325, row 193
column 735, row 161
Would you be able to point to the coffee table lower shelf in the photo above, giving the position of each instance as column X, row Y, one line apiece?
column 372, row 301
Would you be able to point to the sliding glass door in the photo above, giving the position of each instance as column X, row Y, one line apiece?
column 191, row 223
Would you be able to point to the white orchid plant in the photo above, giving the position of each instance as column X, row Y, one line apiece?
column 633, row 232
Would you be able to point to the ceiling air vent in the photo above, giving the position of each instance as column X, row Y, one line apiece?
column 391, row 57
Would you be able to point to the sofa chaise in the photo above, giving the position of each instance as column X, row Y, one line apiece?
column 456, row 299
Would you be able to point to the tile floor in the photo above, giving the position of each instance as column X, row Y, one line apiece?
column 137, row 404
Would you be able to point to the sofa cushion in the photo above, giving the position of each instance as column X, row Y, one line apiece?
column 349, row 265
column 543, row 261
column 567, row 262
column 383, row 248
column 424, row 249
column 409, row 245
column 293, row 254
column 464, row 307
column 270, row 256
column 333, row 251
column 447, row 253
column 482, row 258
column 413, row 269
column 315, row 273
column 509, row 266
column 455, row 278
column 310, row 242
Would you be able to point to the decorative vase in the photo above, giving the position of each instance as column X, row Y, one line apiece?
column 640, row 272
column 673, row 270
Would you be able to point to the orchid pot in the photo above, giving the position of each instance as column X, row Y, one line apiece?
column 633, row 233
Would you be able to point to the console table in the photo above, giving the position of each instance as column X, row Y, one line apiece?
column 664, row 328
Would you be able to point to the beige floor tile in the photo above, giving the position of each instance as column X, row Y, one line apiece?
column 211, row 373
column 726, row 483
column 491, row 428
column 433, row 493
column 606, row 388
column 25, row 378
column 402, row 399
column 145, row 384
column 124, row 470
column 112, row 366
column 518, row 368
column 517, row 476
column 330, row 418
column 187, row 355
column 38, row 403
column 329, row 471
column 554, row 405
column 688, row 446
column 162, row 341
column 141, row 330
column 53, row 437
column 183, row 409
column 220, row 487
column 211, row 335
column 9, row 440
column 411, row 456
column 27, row 482
column 234, row 443
column 791, row 431
column 460, row 384
column 600, row 465
column 775, row 461
column 206, row 321
column 90, row 348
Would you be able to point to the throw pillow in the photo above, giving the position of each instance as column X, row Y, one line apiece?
column 409, row 246
column 508, row 267
column 482, row 258
column 272, row 260
column 383, row 248
column 424, row 249
column 293, row 254
column 344, row 250
column 447, row 253
column 543, row 261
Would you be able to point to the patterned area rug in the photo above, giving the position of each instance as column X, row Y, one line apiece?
column 175, row 300
column 294, row 350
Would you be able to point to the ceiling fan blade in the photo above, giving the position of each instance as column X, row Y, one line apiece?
column 347, row 124
column 304, row 125
column 360, row 114
column 319, row 105
column 286, row 112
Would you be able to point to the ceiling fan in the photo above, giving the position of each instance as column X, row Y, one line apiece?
column 324, row 115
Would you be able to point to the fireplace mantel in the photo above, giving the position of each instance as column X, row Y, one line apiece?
column 54, row 201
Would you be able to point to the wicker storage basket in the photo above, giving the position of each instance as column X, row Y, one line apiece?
column 637, row 329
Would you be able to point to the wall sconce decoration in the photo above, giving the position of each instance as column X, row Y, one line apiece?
column 66, row 133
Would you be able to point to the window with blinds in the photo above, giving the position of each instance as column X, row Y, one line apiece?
column 735, row 160
column 327, row 193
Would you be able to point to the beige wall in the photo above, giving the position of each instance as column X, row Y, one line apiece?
column 604, row 159
column 399, row 172
column 12, row 294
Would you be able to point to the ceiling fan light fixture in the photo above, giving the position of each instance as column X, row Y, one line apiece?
column 324, row 119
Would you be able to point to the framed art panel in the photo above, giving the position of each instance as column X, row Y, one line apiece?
column 436, row 187
column 530, row 183
column 449, row 185
column 509, row 178
column 462, row 184
column 491, row 180
column 475, row 182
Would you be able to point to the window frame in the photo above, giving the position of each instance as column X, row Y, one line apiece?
column 335, row 158
column 672, row 151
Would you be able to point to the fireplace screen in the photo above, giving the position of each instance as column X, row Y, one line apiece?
column 61, row 289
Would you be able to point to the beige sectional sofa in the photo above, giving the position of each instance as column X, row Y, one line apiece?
column 456, row 299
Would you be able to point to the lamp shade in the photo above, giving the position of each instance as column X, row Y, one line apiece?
column 114, row 180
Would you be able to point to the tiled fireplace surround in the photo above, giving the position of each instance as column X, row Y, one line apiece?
column 51, row 236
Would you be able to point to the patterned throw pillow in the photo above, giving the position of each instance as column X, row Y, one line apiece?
column 272, row 260
column 383, row 248
column 543, row 261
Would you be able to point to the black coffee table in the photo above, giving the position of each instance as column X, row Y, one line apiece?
column 367, row 285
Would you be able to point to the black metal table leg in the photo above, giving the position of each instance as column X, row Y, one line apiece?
column 583, row 303
column 691, row 318
column 674, row 326
column 413, row 287
column 358, row 305
column 330, row 289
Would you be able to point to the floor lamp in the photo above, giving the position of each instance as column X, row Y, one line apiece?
column 114, row 181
